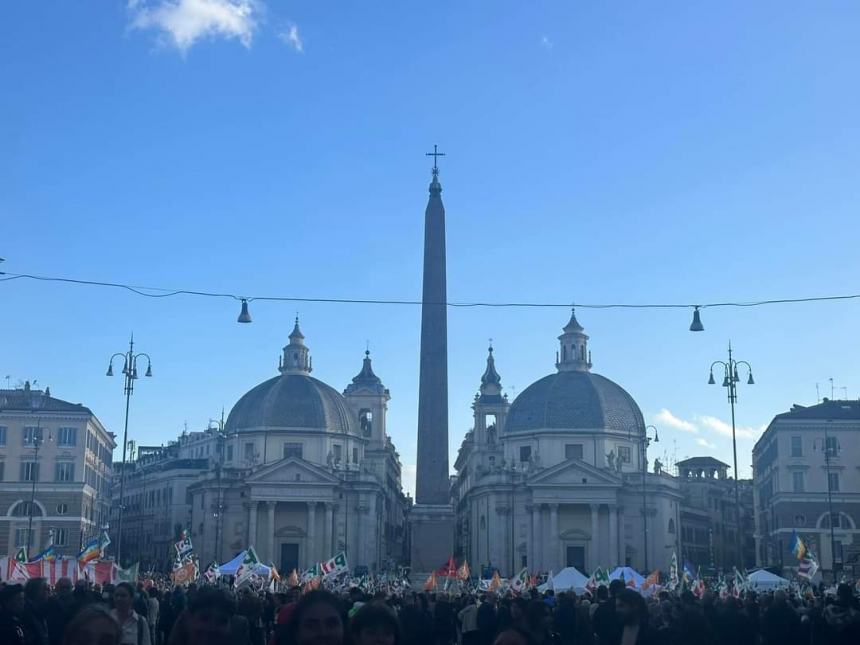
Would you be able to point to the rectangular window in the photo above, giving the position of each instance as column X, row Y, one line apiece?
column 573, row 451
column 797, row 482
column 624, row 454
column 338, row 453
column 837, row 544
column 249, row 452
column 2, row 435
column 525, row 453
column 65, row 471
column 355, row 455
column 29, row 471
column 797, row 446
column 67, row 436
column 832, row 446
column 833, row 482
column 229, row 453
column 32, row 433
column 61, row 537
column 2, row 471
column 293, row 450
column 21, row 537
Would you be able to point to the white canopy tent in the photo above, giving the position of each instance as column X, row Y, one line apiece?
column 763, row 580
column 626, row 574
column 565, row 580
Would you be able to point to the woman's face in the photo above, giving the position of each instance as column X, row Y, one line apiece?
column 321, row 625
column 210, row 627
column 122, row 599
column 375, row 635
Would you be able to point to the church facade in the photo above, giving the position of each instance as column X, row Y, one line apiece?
column 556, row 477
column 304, row 472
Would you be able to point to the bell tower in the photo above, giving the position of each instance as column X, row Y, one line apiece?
column 573, row 354
column 296, row 358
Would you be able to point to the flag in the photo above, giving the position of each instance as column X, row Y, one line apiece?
column 738, row 584
column 21, row 555
column 430, row 583
column 798, row 548
column 464, row 573
column 311, row 585
column 807, row 568
column 652, row 580
column 183, row 547
column 212, row 572
column 128, row 575
column 496, row 582
column 48, row 555
column 104, row 541
column 673, row 572
column 293, row 580
column 246, row 568
column 336, row 566
column 521, row 582
column 698, row 588
column 184, row 574
column 550, row 584
column 274, row 573
column 91, row 551
column 314, row 572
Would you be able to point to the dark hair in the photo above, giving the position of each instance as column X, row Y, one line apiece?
column 33, row 586
column 86, row 615
column 211, row 598
column 372, row 616
column 636, row 601
column 602, row 593
column 316, row 597
column 127, row 586
column 616, row 587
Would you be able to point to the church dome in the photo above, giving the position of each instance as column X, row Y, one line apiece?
column 575, row 400
column 294, row 401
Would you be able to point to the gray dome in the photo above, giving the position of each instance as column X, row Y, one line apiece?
column 575, row 400
column 291, row 401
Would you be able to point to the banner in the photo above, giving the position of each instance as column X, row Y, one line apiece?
column 184, row 547
column 184, row 574
column 464, row 573
column 249, row 563
column 807, row 568
column 335, row 566
column 521, row 582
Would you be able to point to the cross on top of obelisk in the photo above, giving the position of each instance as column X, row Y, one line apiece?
column 435, row 154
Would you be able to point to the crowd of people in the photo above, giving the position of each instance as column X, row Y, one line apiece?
column 126, row 614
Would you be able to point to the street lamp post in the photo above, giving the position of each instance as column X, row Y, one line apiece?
column 219, row 506
column 828, row 453
column 730, row 382
column 37, row 443
column 129, row 371
column 646, row 443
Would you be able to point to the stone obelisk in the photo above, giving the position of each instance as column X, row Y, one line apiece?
column 432, row 517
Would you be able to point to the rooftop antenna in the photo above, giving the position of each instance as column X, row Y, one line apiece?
column 844, row 393
column 8, row 378
column 817, row 394
column 831, row 388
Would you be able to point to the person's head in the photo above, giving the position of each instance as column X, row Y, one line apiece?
column 616, row 587
column 375, row 624
column 209, row 615
column 36, row 590
column 536, row 616
column 153, row 592
column 123, row 596
column 512, row 637
column 518, row 608
column 843, row 594
column 630, row 607
column 12, row 599
column 316, row 620
column 602, row 593
column 92, row 625
column 63, row 587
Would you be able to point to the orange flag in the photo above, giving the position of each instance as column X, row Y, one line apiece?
column 430, row 584
column 293, row 580
column 652, row 580
column 496, row 582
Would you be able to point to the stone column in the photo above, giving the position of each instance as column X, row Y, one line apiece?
column 613, row 536
column 534, row 565
column 594, row 556
column 271, row 528
column 311, row 554
column 552, row 559
column 329, row 518
column 252, row 523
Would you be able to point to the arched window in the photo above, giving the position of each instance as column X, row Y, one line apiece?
column 483, row 523
column 22, row 509
column 365, row 421
column 671, row 525
column 564, row 352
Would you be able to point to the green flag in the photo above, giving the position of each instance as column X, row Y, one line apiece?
column 128, row 575
column 21, row 555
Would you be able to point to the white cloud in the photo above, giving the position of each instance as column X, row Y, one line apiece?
column 719, row 426
column 407, row 476
column 546, row 43
column 705, row 443
column 293, row 38
column 184, row 22
column 665, row 417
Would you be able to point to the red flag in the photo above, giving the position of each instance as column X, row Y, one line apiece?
column 448, row 570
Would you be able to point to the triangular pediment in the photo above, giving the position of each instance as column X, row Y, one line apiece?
column 292, row 470
column 572, row 473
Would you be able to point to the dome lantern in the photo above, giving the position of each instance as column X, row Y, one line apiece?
column 573, row 354
column 296, row 357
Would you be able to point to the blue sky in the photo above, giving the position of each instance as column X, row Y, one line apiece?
column 689, row 152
